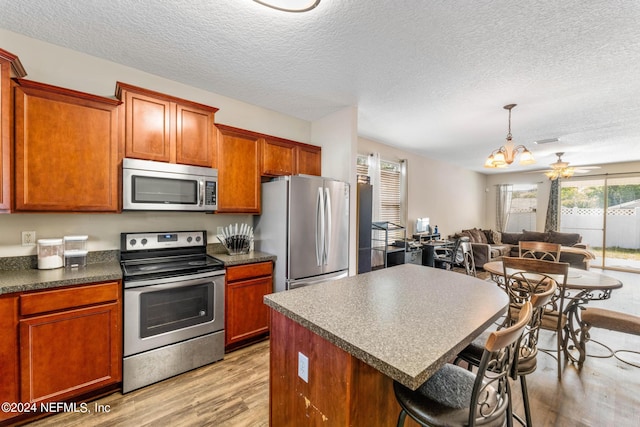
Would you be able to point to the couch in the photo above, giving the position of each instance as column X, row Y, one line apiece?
column 490, row 245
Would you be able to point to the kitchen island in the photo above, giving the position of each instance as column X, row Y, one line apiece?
column 353, row 337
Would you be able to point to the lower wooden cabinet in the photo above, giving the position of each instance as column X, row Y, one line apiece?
column 9, row 390
column 246, row 315
column 70, row 343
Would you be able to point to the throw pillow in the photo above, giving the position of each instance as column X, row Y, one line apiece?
column 534, row 236
column 565, row 239
column 470, row 235
column 496, row 237
column 479, row 235
column 488, row 236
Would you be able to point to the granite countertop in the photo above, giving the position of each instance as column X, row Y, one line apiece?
column 33, row 279
column 405, row 321
column 251, row 257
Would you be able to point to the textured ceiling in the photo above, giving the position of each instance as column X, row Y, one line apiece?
column 430, row 77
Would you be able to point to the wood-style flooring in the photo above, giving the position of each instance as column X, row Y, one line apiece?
column 234, row 392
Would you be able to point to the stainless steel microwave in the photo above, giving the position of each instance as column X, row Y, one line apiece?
column 158, row 186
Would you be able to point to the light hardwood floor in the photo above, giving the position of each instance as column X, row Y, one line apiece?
column 234, row 392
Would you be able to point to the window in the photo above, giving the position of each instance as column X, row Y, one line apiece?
column 522, row 214
column 392, row 193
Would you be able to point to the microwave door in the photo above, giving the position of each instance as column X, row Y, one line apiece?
column 144, row 190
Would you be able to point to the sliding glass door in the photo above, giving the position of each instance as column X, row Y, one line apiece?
column 606, row 212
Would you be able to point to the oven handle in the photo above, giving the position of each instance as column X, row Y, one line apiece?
column 175, row 281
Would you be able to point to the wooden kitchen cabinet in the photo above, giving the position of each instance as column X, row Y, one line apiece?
column 10, row 66
column 284, row 157
column 238, row 164
column 70, row 341
column 246, row 316
column 9, row 391
column 164, row 128
column 66, row 150
column 278, row 158
column 308, row 160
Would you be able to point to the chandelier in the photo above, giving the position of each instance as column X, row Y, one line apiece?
column 559, row 169
column 505, row 155
column 290, row 5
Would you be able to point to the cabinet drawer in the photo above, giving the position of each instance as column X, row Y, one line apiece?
column 60, row 299
column 249, row 271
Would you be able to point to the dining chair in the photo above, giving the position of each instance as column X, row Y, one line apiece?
column 448, row 257
column 524, row 275
column 454, row 396
column 539, row 295
column 539, row 250
column 469, row 262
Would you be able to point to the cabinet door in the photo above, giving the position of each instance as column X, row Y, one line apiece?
column 238, row 162
column 278, row 158
column 194, row 138
column 66, row 150
column 8, row 352
column 9, row 66
column 69, row 353
column 247, row 316
column 147, row 133
column 309, row 160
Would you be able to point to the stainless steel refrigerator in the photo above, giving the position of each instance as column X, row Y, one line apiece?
column 305, row 223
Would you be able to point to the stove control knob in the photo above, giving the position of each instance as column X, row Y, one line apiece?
column 144, row 241
column 133, row 242
column 189, row 239
column 198, row 239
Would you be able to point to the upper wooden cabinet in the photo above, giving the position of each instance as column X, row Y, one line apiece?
column 278, row 157
column 238, row 163
column 10, row 66
column 309, row 160
column 66, row 150
column 165, row 128
column 284, row 157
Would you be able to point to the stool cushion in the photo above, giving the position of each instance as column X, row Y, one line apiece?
column 612, row 320
column 444, row 398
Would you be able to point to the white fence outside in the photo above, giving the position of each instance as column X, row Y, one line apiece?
column 623, row 225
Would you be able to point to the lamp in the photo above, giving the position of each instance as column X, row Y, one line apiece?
column 559, row 169
column 505, row 155
column 290, row 5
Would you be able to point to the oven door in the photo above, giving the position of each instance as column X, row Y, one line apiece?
column 160, row 314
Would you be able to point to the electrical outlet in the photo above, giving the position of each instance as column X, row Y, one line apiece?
column 28, row 238
column 303, row 367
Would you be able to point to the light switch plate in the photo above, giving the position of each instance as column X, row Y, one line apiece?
column 303, row 367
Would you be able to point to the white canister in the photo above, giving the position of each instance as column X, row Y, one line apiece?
column 50, row 253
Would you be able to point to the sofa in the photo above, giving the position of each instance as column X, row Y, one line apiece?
column 490, row 245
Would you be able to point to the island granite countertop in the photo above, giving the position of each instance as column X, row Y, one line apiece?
column 405, row 321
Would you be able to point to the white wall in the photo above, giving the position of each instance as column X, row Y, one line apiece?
column 451, row 197
column 58, row 66
column 338, row 136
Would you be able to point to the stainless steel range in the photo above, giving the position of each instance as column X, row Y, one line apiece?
column 173, row 305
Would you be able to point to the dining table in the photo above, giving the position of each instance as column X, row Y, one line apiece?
column 582, row 287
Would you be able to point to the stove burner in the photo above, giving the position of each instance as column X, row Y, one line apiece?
column 197, row 262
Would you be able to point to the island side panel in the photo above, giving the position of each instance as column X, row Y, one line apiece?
column 342, row 390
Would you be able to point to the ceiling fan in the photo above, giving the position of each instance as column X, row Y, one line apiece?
column 560, row 169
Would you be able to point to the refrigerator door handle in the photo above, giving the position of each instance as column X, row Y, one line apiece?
column 327, row 231
column 319, row 227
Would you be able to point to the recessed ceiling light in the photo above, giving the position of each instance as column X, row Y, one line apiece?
column 290, row 5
